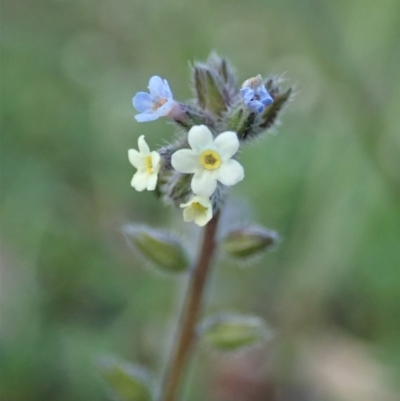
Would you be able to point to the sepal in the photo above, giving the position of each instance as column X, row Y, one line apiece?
column 241, row 120
column 271, row 112
column 190, row 116
column 226, row 75
column 209, row 89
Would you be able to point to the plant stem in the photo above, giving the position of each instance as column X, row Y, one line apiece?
column 187, row 325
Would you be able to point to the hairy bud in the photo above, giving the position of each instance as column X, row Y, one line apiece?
column 126, row 382
column 248, row 241
column 209, row 90
column 230, row 332
column 159, row 248
column 226, row 75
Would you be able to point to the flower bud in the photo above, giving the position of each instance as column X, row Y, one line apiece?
column 241, row 121
column 248, row 241
column 161, row 249
column 254, row 94
column 177, row 188
column 209, row 90
column 230, row 332
column 190, row 116
column 226, row 75
column 126, row 382
column 271, row 112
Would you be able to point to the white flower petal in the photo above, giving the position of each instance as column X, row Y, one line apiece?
column 204, row 183
column 155, row 161
column 139, row 181
column 135, row 158
column 151, row 182
column 202, row 219
column 205, row 202
column 186, row 204
column 193, row 212
column 143, row 147
column 189, row 214
column 185, row 161
column 230, row 172
column 200, row 138
column 227, row 144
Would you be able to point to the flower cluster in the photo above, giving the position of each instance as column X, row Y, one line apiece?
column 193, row 171
column 209, row 160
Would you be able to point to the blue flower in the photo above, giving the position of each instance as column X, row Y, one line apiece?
column 255, row 95
column 157, row 103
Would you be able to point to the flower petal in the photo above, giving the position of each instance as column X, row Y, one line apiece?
column 135, row 158
column 155, row 161
column 205, row 202
column 247, row 94
column 165, row 108
column 143, row 147
column 156, row 86
column 139, row 181
column 185, row 161
column 142, row 102
column 202, row 219
column 193, row 212
column 200, row 138
column 227, row 144
column 256, row 106
column 144, row 117
column 189, row 214
column 204, row 183
column 167, row 91
column 265, row 97
column 152, row 182
column 230, row 173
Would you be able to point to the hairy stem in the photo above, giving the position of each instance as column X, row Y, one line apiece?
column 191, row 309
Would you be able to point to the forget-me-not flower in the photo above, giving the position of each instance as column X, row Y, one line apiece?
column 255, row 95
column 197, row 209
column 159, row 102
column 209, row 160
column 147, row 164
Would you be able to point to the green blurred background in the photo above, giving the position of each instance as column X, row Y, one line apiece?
column 329, row 183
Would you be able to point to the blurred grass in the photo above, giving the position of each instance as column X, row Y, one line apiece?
column 72, row 290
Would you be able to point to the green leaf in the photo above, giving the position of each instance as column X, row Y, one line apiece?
column 162, row 249
column 233, row 332
column 127, row 382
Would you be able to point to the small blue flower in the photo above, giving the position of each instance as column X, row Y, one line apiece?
column 159, row 102
column 255, row 95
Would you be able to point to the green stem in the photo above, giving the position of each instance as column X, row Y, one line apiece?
column 192, row 306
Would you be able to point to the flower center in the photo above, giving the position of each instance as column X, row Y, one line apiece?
column 210, row 159
column 158, row 104
column 198, row 207
column 149, row 164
